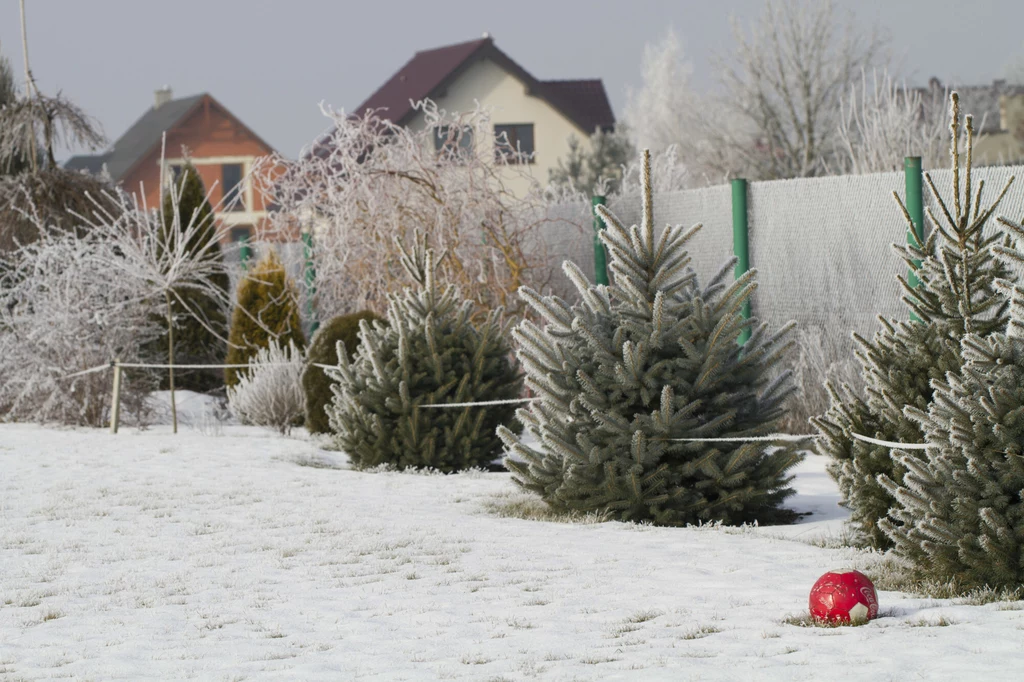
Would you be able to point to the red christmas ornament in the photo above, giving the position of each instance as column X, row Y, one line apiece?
column 844, row 597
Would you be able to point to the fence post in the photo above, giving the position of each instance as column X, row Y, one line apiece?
column 741, row 242
column 915, row 207
column 244, row 252
column 115, row 401
column 600, row 257
column 310, row 276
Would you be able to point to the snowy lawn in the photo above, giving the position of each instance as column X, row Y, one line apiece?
column 222, row 554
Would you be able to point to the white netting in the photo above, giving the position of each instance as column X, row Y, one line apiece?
column 821, row 246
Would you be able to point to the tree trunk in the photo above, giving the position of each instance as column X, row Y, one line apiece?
column 170, row 361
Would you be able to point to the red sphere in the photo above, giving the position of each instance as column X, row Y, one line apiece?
column 843, row 597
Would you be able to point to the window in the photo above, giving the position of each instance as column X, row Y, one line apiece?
column 511, row 138
column 449, row 141
column 231, row 181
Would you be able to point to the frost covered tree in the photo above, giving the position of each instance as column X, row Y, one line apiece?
column 636, row 367
column 957, row 271
column 883, row 122
column 776, row 113
column 430, row 352
column 368, row 180
column 596, row 168
column 270, row 392
column 267, row 311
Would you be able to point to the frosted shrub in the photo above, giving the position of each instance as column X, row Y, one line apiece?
column 270, row 392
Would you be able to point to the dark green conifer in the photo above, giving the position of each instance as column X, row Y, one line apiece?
column 428, row 353
column 200, row 318
column 957, row 271
column 323, row 350
column 633, row 368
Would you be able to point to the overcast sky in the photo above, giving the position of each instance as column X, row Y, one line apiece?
column 271, row 63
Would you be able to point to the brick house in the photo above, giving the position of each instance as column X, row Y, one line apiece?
column 221, row 147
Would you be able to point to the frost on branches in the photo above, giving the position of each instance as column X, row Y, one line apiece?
column 84, row 295
column 368, row 181
column 270, row 392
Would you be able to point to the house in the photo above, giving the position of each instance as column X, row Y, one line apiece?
column 221, row 147
column 537, row 116
column 998, row 111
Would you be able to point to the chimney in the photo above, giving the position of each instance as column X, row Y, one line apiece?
column 162, row 97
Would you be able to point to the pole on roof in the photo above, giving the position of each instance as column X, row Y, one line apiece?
column 741, row 243
column 600, row 256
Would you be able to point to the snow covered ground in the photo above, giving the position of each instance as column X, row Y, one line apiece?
column 231, row 553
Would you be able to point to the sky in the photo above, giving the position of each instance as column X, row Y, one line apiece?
column 273, row 63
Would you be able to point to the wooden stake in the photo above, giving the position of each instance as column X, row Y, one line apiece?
column 170, row 361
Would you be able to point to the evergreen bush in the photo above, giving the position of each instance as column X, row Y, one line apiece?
column 428, row 353
column 637, row 366
column 200, row 322
column 323, row 350
column 956, row 294
column 267, row 310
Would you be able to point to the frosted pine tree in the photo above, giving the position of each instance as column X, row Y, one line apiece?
column 960, row 513
column 957, row 271
column 428, row 353
column 635, row 366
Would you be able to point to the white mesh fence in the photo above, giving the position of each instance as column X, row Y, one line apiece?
column 821, row 246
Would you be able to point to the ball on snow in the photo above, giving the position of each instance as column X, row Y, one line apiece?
column 843, row 597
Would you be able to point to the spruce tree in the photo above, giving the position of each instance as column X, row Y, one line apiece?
column 323, row 350
column 429, row 353
column 957, row 272
column 633, row 368
column 200, row 322
column 267, row 309
column 959, row 518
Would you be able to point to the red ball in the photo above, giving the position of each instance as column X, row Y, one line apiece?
column 844, row 597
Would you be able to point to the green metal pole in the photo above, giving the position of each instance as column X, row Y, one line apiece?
column 245, row 252
column 915, row 207
column 741, row 241
column 307, row 249
column 600, row 257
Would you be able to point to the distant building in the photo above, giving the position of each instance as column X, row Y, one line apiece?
column 221, row 147
column 998, row 111
column 537, row 116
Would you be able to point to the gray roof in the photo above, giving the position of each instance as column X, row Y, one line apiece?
column 137, row 141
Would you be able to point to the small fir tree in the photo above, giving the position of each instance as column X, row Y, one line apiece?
column 635, row 367
column 200, row 322
column 959, row 518
column 323, row 350
column 957, row 271
column 267, row 309
column 428, row 353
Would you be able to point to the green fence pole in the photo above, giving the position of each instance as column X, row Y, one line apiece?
column 915, row 207
column 741, row 241
column 244, row 252
column 310, row 275
column 600, row 257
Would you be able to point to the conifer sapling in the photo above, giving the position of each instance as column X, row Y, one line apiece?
column 633, row 368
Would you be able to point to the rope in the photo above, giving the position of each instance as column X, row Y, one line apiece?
column 775, row 437
column 750, row 439
column 485, row 402
column 890, row 444
column 97, row 368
